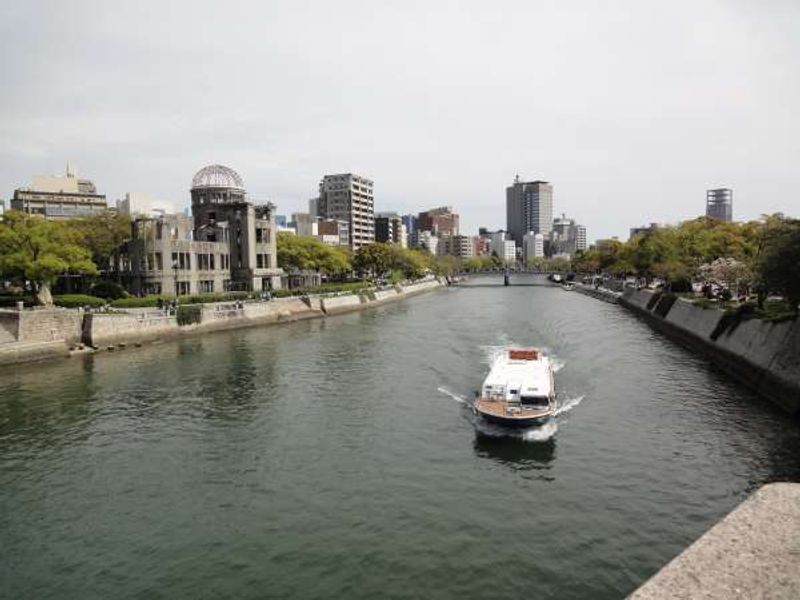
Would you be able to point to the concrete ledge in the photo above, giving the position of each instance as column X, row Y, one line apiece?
column 20, row 352
column 754, row 552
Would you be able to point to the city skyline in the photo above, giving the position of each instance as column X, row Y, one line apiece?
column 630, row 127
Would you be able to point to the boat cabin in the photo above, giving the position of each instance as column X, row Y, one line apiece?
column 520, row 376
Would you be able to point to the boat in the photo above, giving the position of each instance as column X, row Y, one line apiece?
column 519, row 390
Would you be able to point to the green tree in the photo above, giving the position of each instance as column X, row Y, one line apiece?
column 103, row 234
column 38, row 251
column 778, row 261
column 376, row 258
column 298, row 252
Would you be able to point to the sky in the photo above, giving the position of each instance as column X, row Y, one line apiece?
column 630, row 109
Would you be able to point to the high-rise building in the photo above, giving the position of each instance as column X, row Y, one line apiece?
column 440, row 221
column 57, row 197
column 509, row 251
column 348, row 197
column 580, row 240
column 719, row 204
column 480, row 245
column 529, row 207
column 389, row 228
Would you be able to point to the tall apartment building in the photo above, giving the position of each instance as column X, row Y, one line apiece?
column 227, row 244
column 59, row 197
column 389, row 228
column 529, row 207
column 348, row 197
column 719, row 204
column 441, row 221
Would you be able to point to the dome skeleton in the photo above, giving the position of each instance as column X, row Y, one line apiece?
column 217, row 176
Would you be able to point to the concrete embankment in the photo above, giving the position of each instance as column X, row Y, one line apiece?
column 762, row 354
column 38, row 334
column 754, row 552
column 599, row 293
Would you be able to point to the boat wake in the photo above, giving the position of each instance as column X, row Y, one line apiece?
column 536, row 433
column 453, row 395
column 568, row 404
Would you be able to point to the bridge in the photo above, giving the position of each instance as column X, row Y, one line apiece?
column 508, row 278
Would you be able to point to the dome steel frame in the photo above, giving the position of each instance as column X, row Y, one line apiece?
column 217, row 176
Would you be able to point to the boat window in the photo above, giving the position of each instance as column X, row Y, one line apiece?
column 535, row 400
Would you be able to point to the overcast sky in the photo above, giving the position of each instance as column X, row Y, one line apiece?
column 630, row 109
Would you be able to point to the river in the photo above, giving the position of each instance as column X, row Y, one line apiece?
column 337, row 459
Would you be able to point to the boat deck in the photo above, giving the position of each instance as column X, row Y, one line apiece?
column 498, row 408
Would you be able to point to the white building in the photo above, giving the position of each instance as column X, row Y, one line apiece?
column 509, row 254
column 532, row 246
column 424, row 239
column 141, row 204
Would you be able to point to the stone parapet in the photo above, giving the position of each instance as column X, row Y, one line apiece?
column 754, row 552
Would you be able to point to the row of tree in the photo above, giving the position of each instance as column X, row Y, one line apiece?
column 376, row 260
column 763, row 253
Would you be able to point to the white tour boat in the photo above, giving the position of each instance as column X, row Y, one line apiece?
column 519, row 390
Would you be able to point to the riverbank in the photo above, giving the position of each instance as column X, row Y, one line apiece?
column 764, row 355
column 40, row 334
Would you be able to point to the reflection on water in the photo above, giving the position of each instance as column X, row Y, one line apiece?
column 515, row 451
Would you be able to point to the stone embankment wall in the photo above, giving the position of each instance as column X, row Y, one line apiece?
column 36, row 334
column 763, row 354
column 599, row 293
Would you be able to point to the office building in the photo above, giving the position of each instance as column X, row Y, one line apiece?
column 440, row 221
column 719, row 204
column 509, row 251
column 348, row 197
column 59, row 197
column 529, row 207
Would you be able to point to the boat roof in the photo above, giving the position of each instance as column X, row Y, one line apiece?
column 521, row 372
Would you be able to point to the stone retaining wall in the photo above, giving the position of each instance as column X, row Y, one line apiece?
column 759, row 353
column 100, row 330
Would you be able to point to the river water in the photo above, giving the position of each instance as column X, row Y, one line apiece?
column 336, row 459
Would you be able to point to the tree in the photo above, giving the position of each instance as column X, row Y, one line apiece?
column 38, row 251
column 376, row 258
column 103, row 234
column 299, row 252
column 778, row 261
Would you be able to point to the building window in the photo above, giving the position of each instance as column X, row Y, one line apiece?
column 206, row 287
